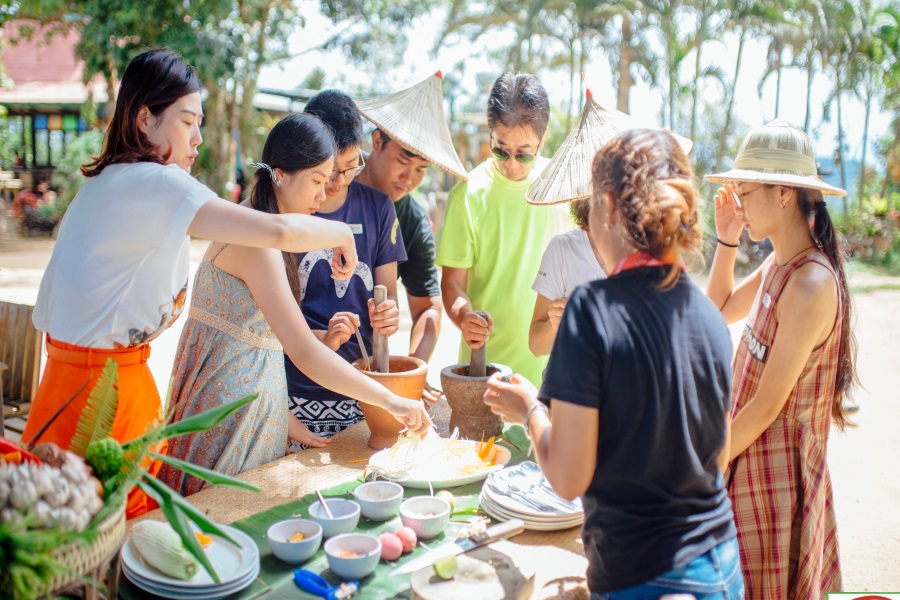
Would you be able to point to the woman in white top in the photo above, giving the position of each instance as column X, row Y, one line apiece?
column 569, row 260
column 119, row 269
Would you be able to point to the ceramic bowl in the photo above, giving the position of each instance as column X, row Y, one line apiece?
column 379, row 500
column 426, row 515
column 345, row 513
column 367, row 549
column 294, row 552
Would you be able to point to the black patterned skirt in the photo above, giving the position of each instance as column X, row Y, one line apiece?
column 324, row 417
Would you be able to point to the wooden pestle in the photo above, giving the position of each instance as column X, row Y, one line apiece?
column 478, row 358
column 381, row 354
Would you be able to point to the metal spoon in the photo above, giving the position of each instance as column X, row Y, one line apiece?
column 324, row 505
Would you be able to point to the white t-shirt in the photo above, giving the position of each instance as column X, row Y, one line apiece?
column 119, row 270
column 568, row 262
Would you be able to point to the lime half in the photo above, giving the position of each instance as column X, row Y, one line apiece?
column 445, row 567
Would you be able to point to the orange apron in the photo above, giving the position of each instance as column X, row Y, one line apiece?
column 68, row 368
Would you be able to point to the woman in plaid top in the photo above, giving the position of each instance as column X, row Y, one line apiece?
column 794, row 364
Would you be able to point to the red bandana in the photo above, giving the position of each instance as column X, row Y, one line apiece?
column 642, row 259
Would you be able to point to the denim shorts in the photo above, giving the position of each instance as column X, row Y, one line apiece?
column 715, row 575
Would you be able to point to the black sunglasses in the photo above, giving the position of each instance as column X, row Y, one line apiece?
column 526, row 158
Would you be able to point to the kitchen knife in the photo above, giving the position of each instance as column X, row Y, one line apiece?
column 498, row 532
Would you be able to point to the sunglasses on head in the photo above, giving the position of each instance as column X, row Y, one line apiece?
column 503, row 155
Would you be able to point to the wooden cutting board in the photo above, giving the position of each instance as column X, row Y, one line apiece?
column 487, row 573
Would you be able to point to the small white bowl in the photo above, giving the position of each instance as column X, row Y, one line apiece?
column 294, row 552
column 426, row 515
column 345, row 513
column 379, row 500
column 366, row 547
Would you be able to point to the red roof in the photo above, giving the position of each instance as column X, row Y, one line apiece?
column 45, row 70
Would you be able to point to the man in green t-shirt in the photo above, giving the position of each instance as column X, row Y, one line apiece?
column 492, row 242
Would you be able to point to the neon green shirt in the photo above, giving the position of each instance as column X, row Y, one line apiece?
column 491, row 230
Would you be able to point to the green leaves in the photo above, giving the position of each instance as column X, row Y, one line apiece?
column 179, row 523
column 207, row 419
column 208, row 475
column 97, row 417
column 199, row 422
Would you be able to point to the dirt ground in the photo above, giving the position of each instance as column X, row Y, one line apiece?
column 863, row 460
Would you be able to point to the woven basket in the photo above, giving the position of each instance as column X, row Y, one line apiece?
column 81, row 560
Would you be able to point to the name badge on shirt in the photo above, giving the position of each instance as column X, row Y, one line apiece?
column 356, row 228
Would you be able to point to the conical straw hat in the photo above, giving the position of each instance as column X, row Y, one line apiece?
column 777, row 154
column 414, row 118
column 568, row 176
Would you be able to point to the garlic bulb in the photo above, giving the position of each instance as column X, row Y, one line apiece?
column 64, row 496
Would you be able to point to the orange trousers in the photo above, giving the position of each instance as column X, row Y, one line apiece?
column 67, row 369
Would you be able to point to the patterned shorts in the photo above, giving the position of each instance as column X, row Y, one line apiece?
column 324, row 417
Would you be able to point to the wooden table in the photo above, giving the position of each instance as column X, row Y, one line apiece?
column 556, row 557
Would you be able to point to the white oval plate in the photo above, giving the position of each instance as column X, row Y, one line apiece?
column 230, row 562
column 498, row 513
column 514, row 504
column 382, row 460
column 212, row 593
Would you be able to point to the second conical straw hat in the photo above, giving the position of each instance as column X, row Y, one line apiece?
column 414, row 118
column 568, row 176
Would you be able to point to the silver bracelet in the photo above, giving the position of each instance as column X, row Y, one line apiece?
column 536, row 406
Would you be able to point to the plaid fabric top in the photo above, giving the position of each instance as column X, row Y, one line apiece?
column 780, row 487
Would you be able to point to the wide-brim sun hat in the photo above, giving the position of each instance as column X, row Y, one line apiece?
column 777, row 154
column 568, row 176
column 414, row 118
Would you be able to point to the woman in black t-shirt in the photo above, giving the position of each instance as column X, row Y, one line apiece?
column 639, row 383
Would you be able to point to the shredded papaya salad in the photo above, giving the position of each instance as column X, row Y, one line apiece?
column 437, row 459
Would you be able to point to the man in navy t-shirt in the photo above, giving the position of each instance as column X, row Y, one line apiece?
column 333, row 309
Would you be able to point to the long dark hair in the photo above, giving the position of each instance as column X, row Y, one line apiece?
column 651, row 181
column 831, row 244
column 155, row 79
column 297, row 142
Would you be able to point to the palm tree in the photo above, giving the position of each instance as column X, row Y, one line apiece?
column 785, row 34
column 747, row 18
column 843, row 30
column 708, row 29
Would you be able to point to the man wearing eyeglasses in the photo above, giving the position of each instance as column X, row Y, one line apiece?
column 335, row 309
column 492, row 241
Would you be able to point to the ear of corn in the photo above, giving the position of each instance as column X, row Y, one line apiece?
column 160, row 546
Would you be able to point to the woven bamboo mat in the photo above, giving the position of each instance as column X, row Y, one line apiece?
column 556, row 557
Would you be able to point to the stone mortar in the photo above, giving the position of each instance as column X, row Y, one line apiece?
column 465, row 395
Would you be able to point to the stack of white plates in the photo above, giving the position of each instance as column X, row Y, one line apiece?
column 522, row 492
column 237, row 567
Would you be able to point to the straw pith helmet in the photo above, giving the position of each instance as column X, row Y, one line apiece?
column 568, row 176
column 414, row 118
column 777, row 154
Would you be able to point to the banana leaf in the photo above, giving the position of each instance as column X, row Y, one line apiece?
column 180, row 524
column 96, row 419
column 199, row 422
column 205, row 524
column 205, row 474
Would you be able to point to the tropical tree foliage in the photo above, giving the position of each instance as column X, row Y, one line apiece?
column 669, row 46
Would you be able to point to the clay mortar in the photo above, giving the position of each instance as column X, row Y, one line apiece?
column 405, row 379
column 465, row 395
